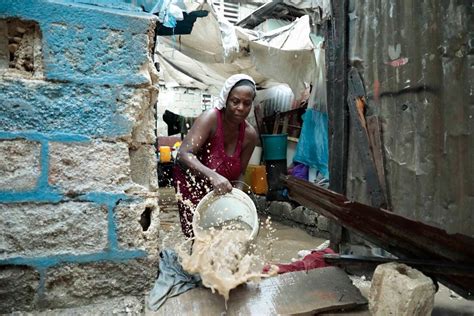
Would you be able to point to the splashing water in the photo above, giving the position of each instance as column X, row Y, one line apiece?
column 223, row 257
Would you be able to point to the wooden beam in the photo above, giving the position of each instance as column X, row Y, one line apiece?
column 336, row 36
column 401, row 236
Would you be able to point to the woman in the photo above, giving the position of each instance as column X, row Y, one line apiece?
column 217, row 148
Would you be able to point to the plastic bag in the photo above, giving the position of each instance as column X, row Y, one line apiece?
column 312, row 148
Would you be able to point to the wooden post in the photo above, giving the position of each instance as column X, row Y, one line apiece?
column 336, row 34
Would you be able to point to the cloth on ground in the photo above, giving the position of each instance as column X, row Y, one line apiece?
column 312, row 261
column 172, row 280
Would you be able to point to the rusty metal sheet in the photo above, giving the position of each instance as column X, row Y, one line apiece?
column 400, row 235
column 317, row 290
column 415, row 58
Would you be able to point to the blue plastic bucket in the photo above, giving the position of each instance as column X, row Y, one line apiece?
column 274, row 146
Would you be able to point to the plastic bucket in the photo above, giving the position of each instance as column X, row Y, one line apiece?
column 274, row 146
column 165, row 154
column 259, row 180
column 214, row 210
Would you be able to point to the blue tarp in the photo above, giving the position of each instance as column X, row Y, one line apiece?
column 312, row 148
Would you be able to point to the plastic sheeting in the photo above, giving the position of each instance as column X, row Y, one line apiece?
column 213, row 51
column 312, row 149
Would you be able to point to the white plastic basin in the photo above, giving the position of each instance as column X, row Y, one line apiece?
column 214, row 210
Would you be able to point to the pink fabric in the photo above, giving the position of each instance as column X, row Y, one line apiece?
column 312, row 261
column 213, row 156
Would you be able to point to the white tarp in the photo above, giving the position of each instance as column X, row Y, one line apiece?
column 216, row 49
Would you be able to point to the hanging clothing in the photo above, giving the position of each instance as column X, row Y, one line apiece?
column 192, row 187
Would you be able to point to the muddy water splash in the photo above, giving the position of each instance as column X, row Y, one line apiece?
column 222, row 258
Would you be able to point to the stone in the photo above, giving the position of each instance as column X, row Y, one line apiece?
column 280, row 209
column 91, row 166
column 303, row 215
column 138, row 224
column 18, row 287
column 323, row 223
column 260, row 203
column 19, row 165
column 400, row 290
column 143, row 167
column 72, row 285
column 52, row 229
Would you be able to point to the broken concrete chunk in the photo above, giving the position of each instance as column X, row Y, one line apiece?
column 400, row 290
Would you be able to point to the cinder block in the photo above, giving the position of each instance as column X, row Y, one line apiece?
column 73, row 285
column 19, row 165
column 143, row 171
column 91, row 166
column 280, row 209
column 96, row 111
column 323, row 223
column 138, row 106
column 400, row 290
column 18, row 288
column 30, row 230
column 303, row 215
column 138, row 224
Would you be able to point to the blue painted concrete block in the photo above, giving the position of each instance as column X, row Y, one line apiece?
column 64, row 108
column 87, row 43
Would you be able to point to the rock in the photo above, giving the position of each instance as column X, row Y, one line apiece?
column 12, row 48
column 280, row 209
column 303, row 215
column 323, row 223
column 400, row 290
column 19, row 165
column 30, row 229
column 18, row 286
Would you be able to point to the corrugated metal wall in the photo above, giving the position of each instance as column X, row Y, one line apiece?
column 416, row 58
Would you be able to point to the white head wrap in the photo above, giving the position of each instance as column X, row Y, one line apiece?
column 228, row 85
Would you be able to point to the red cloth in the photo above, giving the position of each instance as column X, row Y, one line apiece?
column 312, row 261
column 213, row 156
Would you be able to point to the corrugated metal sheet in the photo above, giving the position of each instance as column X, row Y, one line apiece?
column 416, row 58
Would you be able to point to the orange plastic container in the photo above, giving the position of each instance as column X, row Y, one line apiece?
column 259, row 180
column 165, row 153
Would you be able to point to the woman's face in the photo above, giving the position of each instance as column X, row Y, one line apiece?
column 239, row 103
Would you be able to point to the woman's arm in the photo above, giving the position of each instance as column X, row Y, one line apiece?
column 250, row 141
column 202, row 129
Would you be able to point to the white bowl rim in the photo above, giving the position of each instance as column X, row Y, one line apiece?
column 236, row 193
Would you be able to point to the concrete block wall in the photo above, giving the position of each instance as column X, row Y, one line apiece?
column 77, row 166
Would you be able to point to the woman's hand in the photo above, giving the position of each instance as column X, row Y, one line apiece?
column 221, row 184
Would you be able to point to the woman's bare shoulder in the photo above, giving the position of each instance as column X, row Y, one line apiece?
column 250, row 132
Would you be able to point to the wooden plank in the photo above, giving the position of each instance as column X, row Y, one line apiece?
column 276, row 124
column 336, row 36
column 314, row 291
column 356, row 104
column 375, row 141
column 401, row 236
